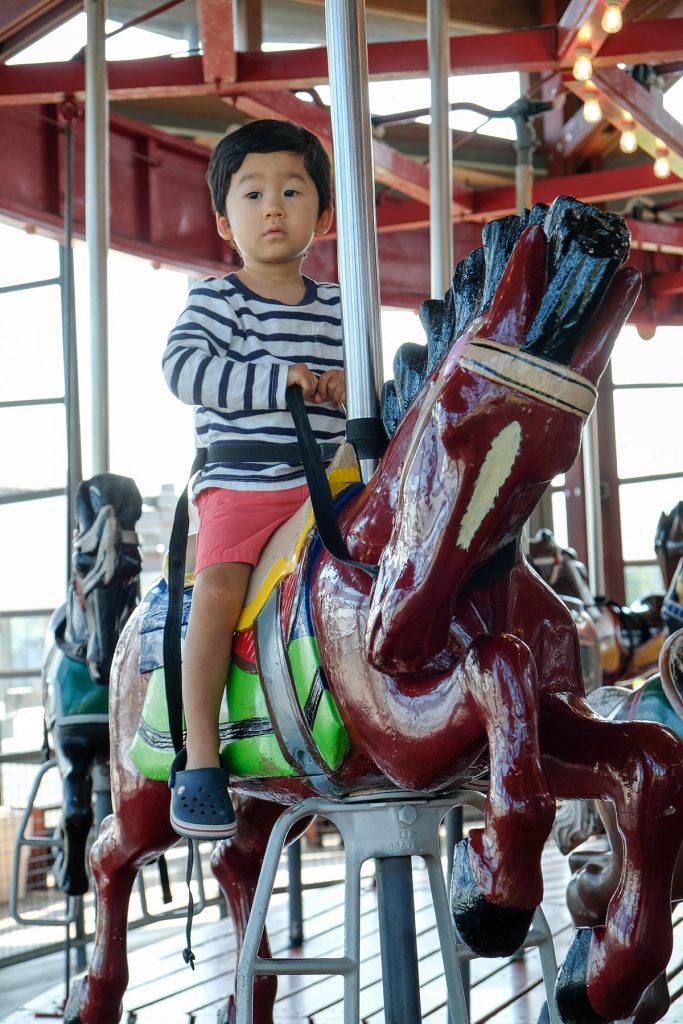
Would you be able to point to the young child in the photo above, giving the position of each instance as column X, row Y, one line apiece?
column 240, row 342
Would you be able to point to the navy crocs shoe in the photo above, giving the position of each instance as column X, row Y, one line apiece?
column 200, row 803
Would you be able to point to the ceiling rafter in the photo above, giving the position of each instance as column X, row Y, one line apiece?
column 219, row 61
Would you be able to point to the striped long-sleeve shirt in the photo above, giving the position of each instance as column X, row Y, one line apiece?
column 228, row 356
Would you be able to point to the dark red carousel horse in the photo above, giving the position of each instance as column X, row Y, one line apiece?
column 81, row 638
column 455, row 656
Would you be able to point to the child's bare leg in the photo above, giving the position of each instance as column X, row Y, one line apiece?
column 217, row 601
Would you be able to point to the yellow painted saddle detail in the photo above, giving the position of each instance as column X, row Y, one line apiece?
column 280, row 556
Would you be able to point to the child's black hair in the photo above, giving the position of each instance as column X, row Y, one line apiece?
column 267, row 136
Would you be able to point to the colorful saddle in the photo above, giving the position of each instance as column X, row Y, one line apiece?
column 258, row 689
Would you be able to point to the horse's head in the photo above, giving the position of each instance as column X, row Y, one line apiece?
column 501, row 416
column 106, row 567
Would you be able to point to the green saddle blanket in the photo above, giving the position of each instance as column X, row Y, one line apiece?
column 249, row 745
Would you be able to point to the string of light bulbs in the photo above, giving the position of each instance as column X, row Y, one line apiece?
column 582, row 71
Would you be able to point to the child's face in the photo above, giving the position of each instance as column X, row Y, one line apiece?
column 272, row 209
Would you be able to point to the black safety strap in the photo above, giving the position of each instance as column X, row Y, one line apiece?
column 310, row 455
column 368, row 437
column 177, row 549
column 318, row 484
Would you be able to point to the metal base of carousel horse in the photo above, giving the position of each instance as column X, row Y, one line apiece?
column 389, row 827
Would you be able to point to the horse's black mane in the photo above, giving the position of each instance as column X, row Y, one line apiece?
column 585, row 249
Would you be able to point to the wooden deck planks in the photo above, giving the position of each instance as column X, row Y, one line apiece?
column 163, row 990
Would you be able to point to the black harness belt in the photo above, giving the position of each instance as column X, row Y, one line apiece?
column 260, row 451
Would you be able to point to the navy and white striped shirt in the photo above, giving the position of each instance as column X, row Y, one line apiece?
column 228, row 355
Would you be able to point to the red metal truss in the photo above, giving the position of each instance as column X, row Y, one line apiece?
column 654, row 122
column 392, row 168
column 531, row 50
column 218, row 42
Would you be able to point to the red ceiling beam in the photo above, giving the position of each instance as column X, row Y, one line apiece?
column 392, row 168
column 593, row 187
column 643, row 42
column 652, row 237
column 532, row 50
column 219, row 61
column 576, row 14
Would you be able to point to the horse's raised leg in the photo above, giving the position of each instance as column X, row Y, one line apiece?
column 139, row 833
column 637, row 766
column 497, row 882
column 236, row 863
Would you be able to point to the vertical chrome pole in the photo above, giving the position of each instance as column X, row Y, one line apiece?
column 97, row 224
column 591, row 485
column 355, row 208
column 440, row 151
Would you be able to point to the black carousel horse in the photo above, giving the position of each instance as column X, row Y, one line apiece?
column 82, row 635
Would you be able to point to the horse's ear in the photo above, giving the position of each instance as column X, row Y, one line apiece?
column 520, row 290
column 593, row 353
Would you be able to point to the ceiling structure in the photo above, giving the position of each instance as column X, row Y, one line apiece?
column 166, row 113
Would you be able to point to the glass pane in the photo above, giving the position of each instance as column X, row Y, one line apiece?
column 658, row 361
column 26, row 257
column 641, row 580
column 34, row 455
column 641, row 506
column 642, row 450
column 559, row 507
column 31, row 344
column 34, row 554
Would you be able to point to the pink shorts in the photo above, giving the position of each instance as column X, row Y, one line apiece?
column 235, row 526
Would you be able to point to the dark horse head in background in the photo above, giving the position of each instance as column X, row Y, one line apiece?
column 82, row 637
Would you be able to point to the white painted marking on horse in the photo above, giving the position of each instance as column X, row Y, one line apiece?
column 495, row 470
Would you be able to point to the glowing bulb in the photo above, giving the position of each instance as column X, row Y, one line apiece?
column 612, row 20
column 628, row 143
column 661, row 168
column 592, row 111
column 583, row 65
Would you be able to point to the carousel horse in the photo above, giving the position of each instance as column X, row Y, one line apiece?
column 449, row 657
column 596, row 873
column 82, row 634
column 629, row 638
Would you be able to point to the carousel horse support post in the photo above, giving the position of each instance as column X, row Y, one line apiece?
column 389, row 827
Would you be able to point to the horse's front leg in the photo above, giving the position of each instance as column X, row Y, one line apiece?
column 497, row 882
column 139, row 833
column 636, row 766
column 75, row 756
column 236, row 864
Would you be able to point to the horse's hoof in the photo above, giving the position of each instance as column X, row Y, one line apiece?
column 72, row 1014
column 654, row 1002
column 571, row 992
column 488, row 930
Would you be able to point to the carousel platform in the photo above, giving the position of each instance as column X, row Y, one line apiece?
column 163, row 990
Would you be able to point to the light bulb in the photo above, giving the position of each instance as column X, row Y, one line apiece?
column 583, row 65
column 592, row 111
column 612, row 20
column 628, row 143
column 661, row 168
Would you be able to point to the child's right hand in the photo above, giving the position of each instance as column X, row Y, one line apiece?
column 299, row 373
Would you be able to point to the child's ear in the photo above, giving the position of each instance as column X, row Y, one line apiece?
column 324, row 222
column 223, row 228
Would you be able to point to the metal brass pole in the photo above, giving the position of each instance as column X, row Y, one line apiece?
column 591, row 484
column 440, row 151
column 97, row 224
column 355, row 208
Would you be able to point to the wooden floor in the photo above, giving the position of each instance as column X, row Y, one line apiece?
column 163, row 990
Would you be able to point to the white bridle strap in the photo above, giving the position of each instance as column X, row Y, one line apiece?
column 539, row 378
